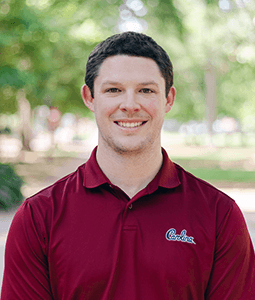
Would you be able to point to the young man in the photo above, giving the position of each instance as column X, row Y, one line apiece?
column 129, row 223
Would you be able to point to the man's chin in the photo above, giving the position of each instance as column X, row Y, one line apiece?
column 128, row 146
column 128, row 149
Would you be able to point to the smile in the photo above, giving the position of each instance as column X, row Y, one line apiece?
column 130, row 125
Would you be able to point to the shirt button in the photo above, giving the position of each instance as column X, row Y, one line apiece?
column 130, row 206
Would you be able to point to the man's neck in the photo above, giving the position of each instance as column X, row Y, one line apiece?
column 131, row 173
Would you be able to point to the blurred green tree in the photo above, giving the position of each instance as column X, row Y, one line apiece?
column 213, row 56
column 44, row 46
column 10, row 187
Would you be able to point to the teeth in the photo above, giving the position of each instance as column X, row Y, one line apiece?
column 130, row 125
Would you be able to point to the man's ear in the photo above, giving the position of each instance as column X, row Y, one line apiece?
column 170, row 99
column 87, row 98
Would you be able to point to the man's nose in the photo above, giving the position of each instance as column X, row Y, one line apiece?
column 130, row 102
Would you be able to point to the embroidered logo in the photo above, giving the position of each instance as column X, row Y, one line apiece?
column 172, row 236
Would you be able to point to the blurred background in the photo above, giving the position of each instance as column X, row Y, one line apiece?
column 45, row 129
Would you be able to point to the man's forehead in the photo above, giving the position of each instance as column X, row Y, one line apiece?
column 115, row 65
column 128, row 57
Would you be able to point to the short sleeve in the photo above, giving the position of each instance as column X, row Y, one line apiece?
column 26, row 274
column 233, row 271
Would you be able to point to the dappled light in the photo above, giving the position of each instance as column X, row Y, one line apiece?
column 225, row 5
column 129, row 16
column 45, row 45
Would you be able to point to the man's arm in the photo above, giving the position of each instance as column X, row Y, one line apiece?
column 26, row 270
column 233, row 272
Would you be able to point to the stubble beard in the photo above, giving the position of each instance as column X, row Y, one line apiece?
column 125, row 150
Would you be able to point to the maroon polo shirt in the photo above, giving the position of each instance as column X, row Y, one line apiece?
column 84, row 238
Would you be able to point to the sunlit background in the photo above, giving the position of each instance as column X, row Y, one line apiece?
column 45, row 129
column 44, row 46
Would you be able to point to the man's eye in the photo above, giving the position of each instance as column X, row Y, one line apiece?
column 112, row 90
column 146, row 91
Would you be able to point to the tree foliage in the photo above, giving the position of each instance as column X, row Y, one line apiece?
column 10, row 187
column 44, row 46
column 211, row 37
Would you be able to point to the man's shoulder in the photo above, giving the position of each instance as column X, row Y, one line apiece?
column 66, row 184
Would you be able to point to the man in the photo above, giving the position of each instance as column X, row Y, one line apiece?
column 129, row 223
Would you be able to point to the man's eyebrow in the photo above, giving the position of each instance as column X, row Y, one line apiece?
column 149, row 83
column 111, row 82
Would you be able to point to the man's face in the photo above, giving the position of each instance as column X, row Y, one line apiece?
column 129, row 103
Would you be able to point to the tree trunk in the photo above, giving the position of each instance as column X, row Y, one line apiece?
column 25, row 119
column 210, row 83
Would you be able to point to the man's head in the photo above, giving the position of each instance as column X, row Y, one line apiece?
column 129, row 90
column 131, row 44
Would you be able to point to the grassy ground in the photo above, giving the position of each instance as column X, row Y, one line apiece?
column 220, row 164
column 225, row 176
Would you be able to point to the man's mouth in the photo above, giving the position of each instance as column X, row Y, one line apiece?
column 130, row 124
